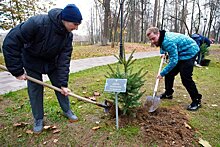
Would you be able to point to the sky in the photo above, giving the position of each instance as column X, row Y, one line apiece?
column 84, row 7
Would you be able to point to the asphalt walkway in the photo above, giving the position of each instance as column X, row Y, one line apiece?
column 9, row 83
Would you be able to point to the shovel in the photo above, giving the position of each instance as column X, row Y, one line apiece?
column 153, row 102
column 106, row 105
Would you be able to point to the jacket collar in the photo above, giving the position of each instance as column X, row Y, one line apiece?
column 161, row 38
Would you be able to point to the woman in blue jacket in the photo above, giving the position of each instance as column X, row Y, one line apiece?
column 43, row 45
column 182, row 51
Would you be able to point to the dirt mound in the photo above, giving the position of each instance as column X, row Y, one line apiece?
column 164, row 127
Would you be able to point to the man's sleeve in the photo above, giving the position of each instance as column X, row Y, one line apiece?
column 207, row 41
column 13, row 43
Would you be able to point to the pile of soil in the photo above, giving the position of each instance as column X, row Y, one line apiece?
column 164, row 127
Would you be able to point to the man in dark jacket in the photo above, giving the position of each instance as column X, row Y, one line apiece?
column 182, row 51
column 43, row 45
column 200, row 40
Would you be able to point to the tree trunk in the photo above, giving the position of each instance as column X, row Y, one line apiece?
column 193, row 7
column 176, row 16
column 155, row 12
column 106, row 22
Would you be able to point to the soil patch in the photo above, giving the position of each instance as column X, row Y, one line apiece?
column 165, row 127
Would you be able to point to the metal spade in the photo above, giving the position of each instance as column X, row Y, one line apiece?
column 153, row 102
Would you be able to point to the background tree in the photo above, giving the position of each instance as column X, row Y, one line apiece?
column 182, row 16
column 13, row 12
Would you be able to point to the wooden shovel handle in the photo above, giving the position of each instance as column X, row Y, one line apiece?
column 56, row 88
column 157, row 80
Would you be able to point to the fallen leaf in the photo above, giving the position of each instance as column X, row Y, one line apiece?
column 97, row 122
column 45, row 142
column 55, row 140
column 17, row 125
column 84, row 92
column 56, row 131
column 92, row 98
column 54, row 127
column 72, row 121
column 96, row 128
column 20, row 135
column 96, row 93
column 187, row 126
column 21, row 124
column 3, row 115
column 19, row 107
column 214, row 105
column 80, row 107
column 29, row 132
column 204, row 143
column 47, row 127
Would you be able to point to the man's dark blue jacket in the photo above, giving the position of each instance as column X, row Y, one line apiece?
column 201, row 39
column 41, row 44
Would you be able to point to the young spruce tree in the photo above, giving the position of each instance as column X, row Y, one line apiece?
column 135, row 80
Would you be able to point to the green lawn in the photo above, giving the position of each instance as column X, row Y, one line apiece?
column 15, row 108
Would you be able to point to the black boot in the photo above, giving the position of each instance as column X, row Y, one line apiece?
column 166, row 96
column 195, row 105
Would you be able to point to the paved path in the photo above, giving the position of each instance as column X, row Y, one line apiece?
column 9, row 83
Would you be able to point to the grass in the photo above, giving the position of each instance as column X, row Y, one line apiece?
column 15, row 108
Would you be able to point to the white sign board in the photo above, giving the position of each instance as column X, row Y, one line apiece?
column 115, row 85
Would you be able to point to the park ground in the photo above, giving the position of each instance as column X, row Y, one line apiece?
column 170, row 125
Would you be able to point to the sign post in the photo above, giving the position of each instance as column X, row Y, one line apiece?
column 116, row 86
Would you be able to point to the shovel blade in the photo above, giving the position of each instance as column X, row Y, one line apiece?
column 152, row 103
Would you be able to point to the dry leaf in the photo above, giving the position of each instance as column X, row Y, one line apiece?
column 47, row 127
column 17, row 125
column 21, row 124
column 96, row 128
column 19, row 107
column 214, row 105
column 45, row 142
column 54, row 127
column 84, row 92
column 97, row 122
column 55, row 140
column 29, row 132
column 96, row 93
column 56, row 131
column 19, row 135
column 204, row 143
column 187, row 126
column 92, row 98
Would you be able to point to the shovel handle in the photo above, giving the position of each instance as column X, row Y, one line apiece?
column 157, row 80
column 57, row 89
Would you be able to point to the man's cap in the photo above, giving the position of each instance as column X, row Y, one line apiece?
column 71, row 13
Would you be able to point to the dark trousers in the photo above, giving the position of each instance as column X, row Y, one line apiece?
column 185, row 68
column 35, row 92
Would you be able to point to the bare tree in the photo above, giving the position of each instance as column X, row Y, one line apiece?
column 155, row 12
column 13, row 12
